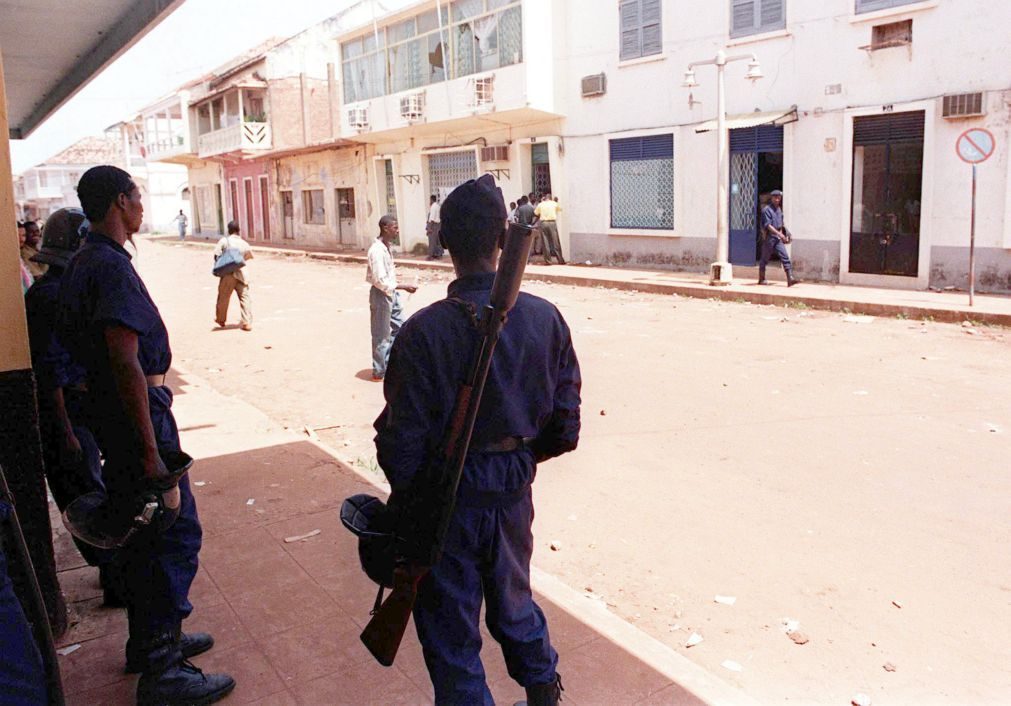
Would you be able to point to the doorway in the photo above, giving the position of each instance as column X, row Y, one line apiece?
column 756, row 168
column 288, row 214
column 346, row 225
column 219, row 206
column 540, row 168
column 886, row 198
column 247, row 193
column 264, row 208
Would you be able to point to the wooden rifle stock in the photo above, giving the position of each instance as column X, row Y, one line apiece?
column 383, row 634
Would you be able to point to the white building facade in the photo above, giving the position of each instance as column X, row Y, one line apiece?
column 853, row 125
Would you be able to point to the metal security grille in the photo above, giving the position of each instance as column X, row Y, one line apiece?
column 391, row 193
column 642, row 182
column 743, row 183
column 447, row 170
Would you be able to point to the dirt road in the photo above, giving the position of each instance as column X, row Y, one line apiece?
column 847, row 473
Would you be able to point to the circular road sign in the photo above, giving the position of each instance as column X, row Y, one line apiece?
column 975, row 145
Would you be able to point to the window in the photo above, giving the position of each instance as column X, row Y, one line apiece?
column 471, row 36
column 872, row 5
column 756, row 16
column 313, row 211
column 894, row 34
column 642, row 182
column 641, row 34
column 43, row 179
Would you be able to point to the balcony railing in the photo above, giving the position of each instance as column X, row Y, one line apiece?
column 236, row 138
column 167, row 147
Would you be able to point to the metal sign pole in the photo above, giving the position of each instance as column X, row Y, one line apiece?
column 972, row 240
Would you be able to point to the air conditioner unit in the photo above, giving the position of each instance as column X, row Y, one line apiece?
column 495, row 153
column 963, row 105
column 595, row 85
column 358, row 118
column 412, row 107
column 482, row 91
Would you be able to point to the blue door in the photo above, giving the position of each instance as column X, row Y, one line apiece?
column 755, row 153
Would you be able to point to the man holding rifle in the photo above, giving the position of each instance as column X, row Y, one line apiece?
column 529, row 412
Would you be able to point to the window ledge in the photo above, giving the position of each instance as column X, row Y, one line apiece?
column 642, row 60
column 649, row 232
column 760, row 37
column 892, row 11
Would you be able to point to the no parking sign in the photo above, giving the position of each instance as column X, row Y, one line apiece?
column 973, row 146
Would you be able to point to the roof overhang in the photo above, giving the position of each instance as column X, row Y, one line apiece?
column 248, row 83
column 53, row 48
column 739, row 120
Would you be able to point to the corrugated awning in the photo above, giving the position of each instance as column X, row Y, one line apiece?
column 768, row 117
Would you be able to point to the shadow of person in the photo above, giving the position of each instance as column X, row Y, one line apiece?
column 226, row 327
column 365, row 374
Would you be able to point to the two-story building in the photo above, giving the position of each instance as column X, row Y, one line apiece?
column 52, row 185
column 856, row 119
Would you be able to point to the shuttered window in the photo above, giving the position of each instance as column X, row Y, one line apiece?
column 872, row 5
column 756, row 16
column 641, row 32
column 642, row 182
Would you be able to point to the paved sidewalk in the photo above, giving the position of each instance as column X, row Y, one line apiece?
column 286, row 612
column 947, row 306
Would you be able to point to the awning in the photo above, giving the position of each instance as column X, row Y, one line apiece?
column 768, row 117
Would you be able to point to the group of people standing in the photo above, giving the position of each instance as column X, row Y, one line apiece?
column 113, row 458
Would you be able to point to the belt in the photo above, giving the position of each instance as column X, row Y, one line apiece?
column 506, row 445
column 156, row 380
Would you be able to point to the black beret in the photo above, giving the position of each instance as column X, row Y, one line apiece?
column 477, row 199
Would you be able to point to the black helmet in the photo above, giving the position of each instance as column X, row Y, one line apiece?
column 62, row 236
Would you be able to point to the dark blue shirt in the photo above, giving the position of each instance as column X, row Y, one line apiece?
column 101, row 289
column 51, row 362
column 532, row 390
column 772, row 216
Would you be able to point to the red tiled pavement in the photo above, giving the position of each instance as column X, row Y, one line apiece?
column 286, row 615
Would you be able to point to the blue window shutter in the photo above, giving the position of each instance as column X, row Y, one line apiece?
column 631, row 30
column 658, row 147
column 771, row 15
column 871, row 5
column 652, row 32
column 626, row 150
column 742, row 17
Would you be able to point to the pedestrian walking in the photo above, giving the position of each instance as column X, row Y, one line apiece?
column 70, row 452
column 775, row 237
column 112, row 327
column 546, row 214
column 529, row 413
column 435, row 251
column 181, row 223
column 387, row 313
column 236, row 280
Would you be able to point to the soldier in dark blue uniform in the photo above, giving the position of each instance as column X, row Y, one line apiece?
column 111, row 325
column 775, row 236
column 529, row 413
column 72, row 460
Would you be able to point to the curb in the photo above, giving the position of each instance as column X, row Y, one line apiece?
column 733, row 293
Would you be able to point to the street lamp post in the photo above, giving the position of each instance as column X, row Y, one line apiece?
column 721, row 272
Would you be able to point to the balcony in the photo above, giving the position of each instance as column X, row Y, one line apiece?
column 244, row 138
column 167, row 148
column 34, row 192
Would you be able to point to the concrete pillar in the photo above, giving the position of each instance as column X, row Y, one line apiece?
column 20, row 447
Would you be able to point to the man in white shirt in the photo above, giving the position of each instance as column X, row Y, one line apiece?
column 384, row 301
column 237, row 281
column 435, row 250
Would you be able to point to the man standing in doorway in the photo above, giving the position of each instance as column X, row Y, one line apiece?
column 384, row 301
column 775, row 236
column 30, row 248
column 182, row 221
column 432, row 227
column 547, row 215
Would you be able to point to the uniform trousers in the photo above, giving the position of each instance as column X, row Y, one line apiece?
column 226, row 285
column 157, row 568
column 486, row 557
column 774, row 245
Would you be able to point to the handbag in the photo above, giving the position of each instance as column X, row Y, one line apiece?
column 230, row 260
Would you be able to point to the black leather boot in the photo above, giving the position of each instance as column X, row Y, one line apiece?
column 190, row 645
column 182, row 685
column 544, row 694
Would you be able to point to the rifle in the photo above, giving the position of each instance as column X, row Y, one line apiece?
column 383, row 634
